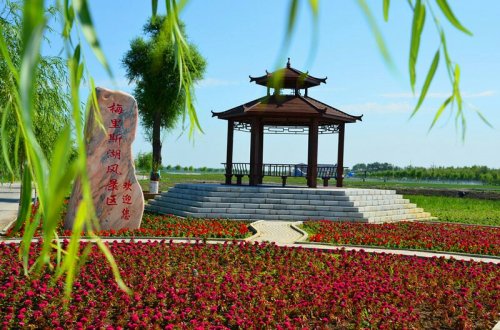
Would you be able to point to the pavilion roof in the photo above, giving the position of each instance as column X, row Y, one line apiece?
column 292, row 109
column 288, row 77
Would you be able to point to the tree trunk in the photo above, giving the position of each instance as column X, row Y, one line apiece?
column 156, row 142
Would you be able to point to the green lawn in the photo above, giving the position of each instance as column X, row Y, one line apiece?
column 170, row 179
column 378, row 184
column 463, row 210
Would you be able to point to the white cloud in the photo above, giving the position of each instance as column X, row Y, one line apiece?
column 479, row 94
column 215, row 82
column 373, row 107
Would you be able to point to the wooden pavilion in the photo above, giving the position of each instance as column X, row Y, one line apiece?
column 279, row 113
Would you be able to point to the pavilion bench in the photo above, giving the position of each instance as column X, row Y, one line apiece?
column 239, row 170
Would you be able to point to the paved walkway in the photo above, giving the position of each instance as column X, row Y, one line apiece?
column 276, row 231
column 9, row 204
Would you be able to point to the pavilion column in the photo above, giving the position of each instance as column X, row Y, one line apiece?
column 261, row 153
column 340, row 156
column 312, row 155
column 255, row 137
column 229, row 151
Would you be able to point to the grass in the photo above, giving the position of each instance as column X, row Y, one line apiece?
column 379, row 184
column 461, row 210
column 170, row 179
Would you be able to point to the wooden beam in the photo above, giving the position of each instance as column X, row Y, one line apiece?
column 312, row 154
column 229, row 151
column 255, row 134
column 261, row 153
column 340, row 156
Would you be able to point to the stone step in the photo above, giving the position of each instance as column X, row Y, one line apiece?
column 331, row 212
column 275, row 215
column 277, row 203
column 337, row 200
column 309, row 195
column 283, row 190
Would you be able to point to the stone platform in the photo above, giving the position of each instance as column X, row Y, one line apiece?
column 267, row 202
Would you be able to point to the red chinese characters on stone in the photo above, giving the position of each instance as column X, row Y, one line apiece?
column 113, row 185
column 127, row 185
column 126, row 214
column 111, row 200
column 121, row 191
column 115, row 123
column 116, row 108
column 113, row 169
column 127, row 199
column 115, row 138
column 114, row 153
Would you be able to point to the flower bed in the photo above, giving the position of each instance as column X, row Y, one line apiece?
column 413, row 235
column 243, row 285
column 171, row 226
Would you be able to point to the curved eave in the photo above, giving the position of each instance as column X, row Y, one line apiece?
column 290, row 82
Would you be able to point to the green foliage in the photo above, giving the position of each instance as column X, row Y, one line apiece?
column 463, row 210
column 161, row 96
column 144, row 160
column 472, row 173
column 421, row 9
column 50, row 96
column 43, row 134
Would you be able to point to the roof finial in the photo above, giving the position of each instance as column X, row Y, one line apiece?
column 288, row 63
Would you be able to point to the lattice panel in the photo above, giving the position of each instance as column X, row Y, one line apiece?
column 300, row 130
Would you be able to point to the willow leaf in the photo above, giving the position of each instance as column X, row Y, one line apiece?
column 483, row 118
column 449, row 65
column 445, row 8
column 7, row 58
column 3, row 141
column 114, row 267
column 314, row 4
column 377, row 33
column 154, row 8
column 25, row 206
column 89, row 32
column 440, row 111
column 292, row 17
column 427, row 83
column 387, row 3
column 456, row 89
column 416, row 33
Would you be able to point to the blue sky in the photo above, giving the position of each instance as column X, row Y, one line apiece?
column 242, row 38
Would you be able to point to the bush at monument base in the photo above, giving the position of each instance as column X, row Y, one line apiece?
column 243, row 285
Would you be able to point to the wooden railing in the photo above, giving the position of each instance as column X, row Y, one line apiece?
column 239, row 170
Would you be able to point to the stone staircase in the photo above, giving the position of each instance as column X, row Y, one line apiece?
column 285, row 203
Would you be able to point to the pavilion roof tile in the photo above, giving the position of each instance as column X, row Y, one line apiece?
column 288, row 77
column 286, row 106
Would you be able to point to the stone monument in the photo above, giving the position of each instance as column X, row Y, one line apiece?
column 117, row 195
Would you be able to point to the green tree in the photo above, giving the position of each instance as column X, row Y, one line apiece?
column 50, row 97
column 144, row 160
column 151, row 64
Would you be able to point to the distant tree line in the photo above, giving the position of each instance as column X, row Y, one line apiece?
column 467, row 173
column 143, row 162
